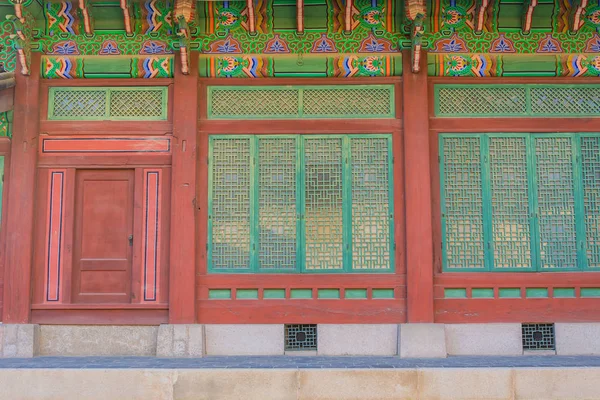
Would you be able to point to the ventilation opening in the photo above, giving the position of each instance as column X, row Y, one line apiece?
column 538, row 336
column 300, row 337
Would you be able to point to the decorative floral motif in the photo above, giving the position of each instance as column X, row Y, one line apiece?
column 592, row 17
column 276, row 45
column 374, row 45
column 549, row 45
column 593, row 45
column 372, row 17
column 229, row 18
column 454, row 17
column 66, row 48
column 453, row 44
column 109, row 48
column 154, row 47
column 228, row 46
column 502, row 45
column 324, row 45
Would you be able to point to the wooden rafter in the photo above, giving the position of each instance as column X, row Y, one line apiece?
column 416, row 10
column 300, row 16
column 251, row 17
column 348, row 15
column 577, row 11
column 480, row 11
column 127, row 16
column 86, row 17
column 528, row 7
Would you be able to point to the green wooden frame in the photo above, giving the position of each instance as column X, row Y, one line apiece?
column 300, row 93
column 254, row 266
column 534, row 223
column 108, row 92
column 527, row 100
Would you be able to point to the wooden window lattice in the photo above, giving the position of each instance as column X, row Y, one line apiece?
column 294, row 102
column 525, row 100
column 300, row 203
column 520, row 202
column 107, row 103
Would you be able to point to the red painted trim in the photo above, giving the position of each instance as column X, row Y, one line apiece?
column 452, row 311
column 419, row 233
column 62, row 145
column 390, row 311
column 151, row 242
column 100, row 317
column 54, row 253
column 183, row 202
column 20, row 216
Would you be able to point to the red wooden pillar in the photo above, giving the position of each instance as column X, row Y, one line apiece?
column 183, row 189
column 417, row 184
column 20, row 213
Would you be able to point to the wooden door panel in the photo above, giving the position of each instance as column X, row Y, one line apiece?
column 103, row 225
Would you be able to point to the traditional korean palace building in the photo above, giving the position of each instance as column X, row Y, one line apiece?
column 345, row 177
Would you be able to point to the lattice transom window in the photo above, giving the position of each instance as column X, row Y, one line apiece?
column 520, row 202
column 300, row 203
column 107, row 103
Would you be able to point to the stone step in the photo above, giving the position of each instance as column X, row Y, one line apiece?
column 310, row 378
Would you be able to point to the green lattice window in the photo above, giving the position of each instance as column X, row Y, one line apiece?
column 293, row 102
column 524, row 100
column 294, row 203
column 108, row 103
column 520, row 202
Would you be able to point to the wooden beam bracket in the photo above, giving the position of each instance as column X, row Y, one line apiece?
column 528, row 7
column 85, row 13
column 183, row 33
column 348, row 16
column 417, row 30
column 300, row 16
column 577, row 13
column 126, row 6
column 480, row 11
column 251, row 17
column 21, row 40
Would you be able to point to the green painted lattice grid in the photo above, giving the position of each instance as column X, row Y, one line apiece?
column 108, row 103
column 556, row 202
column 294, row 102
column 561, row 100
column 229, row 220
column 510, row 211
column 526, row 100
column 371, row 217
column 539, row 195
column 323, row 205
column 590, row 177
column 277, row 177
column 287, row 203
column 462, row 208
column 479, row 100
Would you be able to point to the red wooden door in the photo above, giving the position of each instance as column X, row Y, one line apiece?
column 103, row 236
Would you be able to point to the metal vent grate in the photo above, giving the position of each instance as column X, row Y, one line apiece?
column 294, row 102
column 300, row 337
column 538, row 336
column 105, row 104
column 532, row 100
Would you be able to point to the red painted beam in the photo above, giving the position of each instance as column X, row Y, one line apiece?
column 417, row 184
column 20, row 216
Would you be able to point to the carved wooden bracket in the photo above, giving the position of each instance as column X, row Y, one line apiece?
column 300, row 16
column 480, row 11
column 416, row 11
column 348, row 16
column 86, row 16
column 577, row 12
column 251, row 17
column 528, row 7
column 127, row 16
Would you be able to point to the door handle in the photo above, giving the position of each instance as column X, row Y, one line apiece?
column 130, row 238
